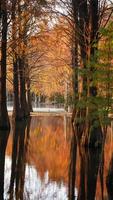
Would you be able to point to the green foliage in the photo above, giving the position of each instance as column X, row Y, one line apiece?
column 58, row 98
column 70, row 99
column 98, row 73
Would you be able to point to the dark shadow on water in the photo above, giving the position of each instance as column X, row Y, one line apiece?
column 3, row 143
column 91, row 165
column 72, row 166
column 109, row 180
column 19, row 151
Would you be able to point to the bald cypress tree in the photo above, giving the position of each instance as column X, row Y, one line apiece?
column 4, row 120
column 87, row 27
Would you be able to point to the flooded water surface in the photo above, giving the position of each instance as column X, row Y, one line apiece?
column 35, row 158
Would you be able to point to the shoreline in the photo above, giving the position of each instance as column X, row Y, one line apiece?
column 54, row 114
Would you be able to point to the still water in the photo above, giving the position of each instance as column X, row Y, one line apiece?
column 34, row 160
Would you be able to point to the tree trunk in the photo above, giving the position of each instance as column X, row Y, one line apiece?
column 17, row 115
column 29, row 98
column 87, row 26
column 4, row 120
column 19, row 80
column 95, row 132
column 23, row 101
column 16, row 109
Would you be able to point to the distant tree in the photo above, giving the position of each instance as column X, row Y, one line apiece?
column 24, row 21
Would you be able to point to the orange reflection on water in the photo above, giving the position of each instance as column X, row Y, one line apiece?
column 48, row 146
column 50, row 152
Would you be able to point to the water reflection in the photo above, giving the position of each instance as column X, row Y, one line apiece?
column 72, row 166
column 19, row 151
column 50, row 150
column 89, row 169
column 37, row 174
column 90, row 165
column 3, row 143
column 109, row 180
column 37, row 161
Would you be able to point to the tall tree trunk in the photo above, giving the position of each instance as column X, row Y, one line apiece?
column 75, row 55
column 87, row 26
column 73, row 145
column 95, row 132
column 22, row 60
column 16, row 109
column 20, row 109
column 4, row 120
column 29, row 98
column 23, row 101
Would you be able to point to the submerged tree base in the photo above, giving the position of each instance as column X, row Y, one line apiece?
column 90, row 139
column 20, row 117
column 109, row 180
column 4, row 128
column 4, row 125
column 95, row 138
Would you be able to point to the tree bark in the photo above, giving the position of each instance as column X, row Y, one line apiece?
column 87, row 26
column 17, row 115
column 16, row 109
column 20, row 110
column 23, row 101
column 4, row 119
column 29, row 98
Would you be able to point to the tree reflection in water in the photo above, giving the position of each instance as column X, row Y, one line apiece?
column 72, row 166
column 93, row 159
column 3, row 143
column 19, row 150
column 109, row 180
column 49, row 155
column 91, row 164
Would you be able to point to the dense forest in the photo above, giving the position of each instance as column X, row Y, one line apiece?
column 60, row 49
